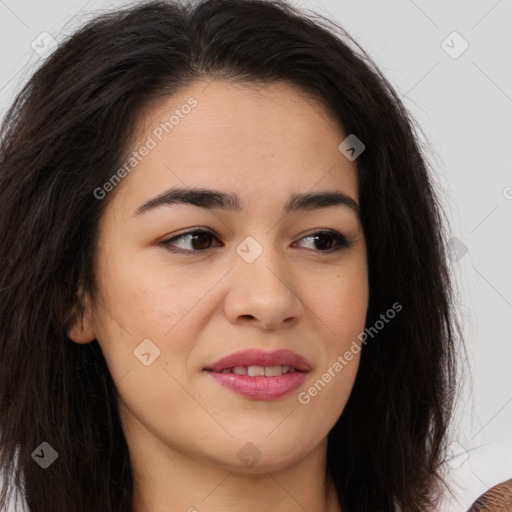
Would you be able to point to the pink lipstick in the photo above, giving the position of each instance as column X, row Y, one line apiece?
column 261, row 375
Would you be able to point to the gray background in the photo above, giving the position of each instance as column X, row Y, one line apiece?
column 463, row 104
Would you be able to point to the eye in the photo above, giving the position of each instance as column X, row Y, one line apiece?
column 200, row 240
column 328, row 241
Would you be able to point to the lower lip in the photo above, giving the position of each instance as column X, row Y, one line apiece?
column 260, row 388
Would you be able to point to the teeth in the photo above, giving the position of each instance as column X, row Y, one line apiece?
column 273, row 371
column 256, row 371
column 260, row 371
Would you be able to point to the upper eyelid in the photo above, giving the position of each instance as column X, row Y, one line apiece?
column 191, row 232
column 194, row 231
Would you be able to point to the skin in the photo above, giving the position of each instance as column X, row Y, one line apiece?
column 183, row 429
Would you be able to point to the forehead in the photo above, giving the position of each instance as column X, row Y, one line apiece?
column 264, row 139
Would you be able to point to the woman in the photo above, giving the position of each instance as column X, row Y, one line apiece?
column 224, row 277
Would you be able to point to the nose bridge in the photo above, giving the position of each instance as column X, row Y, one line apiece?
column 262, row 260
column 263, row 286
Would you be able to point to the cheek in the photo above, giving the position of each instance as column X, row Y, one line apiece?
column 341, row 306
column 340, row 300
column 147, row 295
column 141, row 312
column 143, row 305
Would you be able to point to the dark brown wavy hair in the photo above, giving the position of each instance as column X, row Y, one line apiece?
column 70, row 128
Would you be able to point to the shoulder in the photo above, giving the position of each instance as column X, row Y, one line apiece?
column 496, row 499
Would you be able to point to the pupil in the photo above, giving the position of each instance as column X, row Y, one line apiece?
column 325, row 239
column 202, row 237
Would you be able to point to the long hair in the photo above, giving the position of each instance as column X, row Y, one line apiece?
column 70, row 128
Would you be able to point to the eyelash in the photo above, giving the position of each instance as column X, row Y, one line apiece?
column 342, row 242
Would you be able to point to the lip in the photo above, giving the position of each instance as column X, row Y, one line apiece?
column 256, row 357
column 260, row 388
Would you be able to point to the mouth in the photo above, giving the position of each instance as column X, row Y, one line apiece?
column 260, row 375
column 260, row 371
column 257, row 362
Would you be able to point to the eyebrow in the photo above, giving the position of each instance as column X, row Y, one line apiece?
column 215, row 199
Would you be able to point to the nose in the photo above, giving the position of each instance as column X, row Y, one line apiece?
column 263, row 293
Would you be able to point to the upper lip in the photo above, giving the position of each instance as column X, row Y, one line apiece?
column 256, row 357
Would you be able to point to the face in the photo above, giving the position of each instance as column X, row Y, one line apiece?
column 181, row 286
